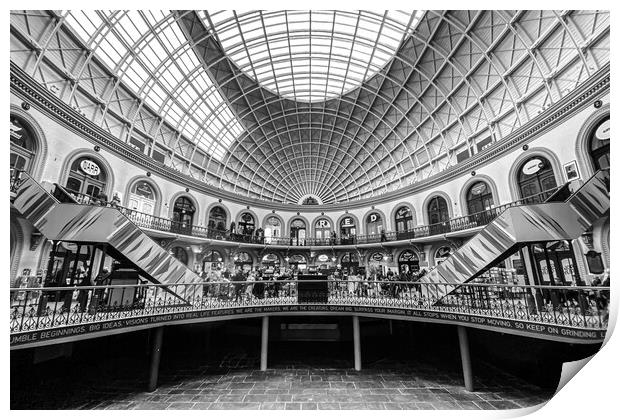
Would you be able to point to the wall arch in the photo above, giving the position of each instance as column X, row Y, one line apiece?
column 175, row 196
column 277, row 216
column 582, row 143
column 352, row 216
column 290, row 220
column 428, row 199
column 152, row 183
column 79, row 153
column 395, row 209
column 464, row 189
column 386, row 222
column 217, row 204
column 534, row 151
column 238, row 216
column 316, row 219
column 40, row 157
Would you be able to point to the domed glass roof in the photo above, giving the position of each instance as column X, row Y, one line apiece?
column 283, row 105
column 311, row 56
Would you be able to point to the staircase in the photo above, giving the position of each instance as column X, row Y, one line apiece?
column 543, row 222
column 77, row 223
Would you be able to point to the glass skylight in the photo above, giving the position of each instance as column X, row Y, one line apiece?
column 311, row 56
column 150, row 53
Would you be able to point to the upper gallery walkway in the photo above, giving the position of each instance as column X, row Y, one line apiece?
column 457, row 227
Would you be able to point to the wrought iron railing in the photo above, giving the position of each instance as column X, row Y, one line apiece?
column 42, row 308
column 457, row 224
column 15, row 179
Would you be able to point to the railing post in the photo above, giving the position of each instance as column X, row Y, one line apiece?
column 157, row 335
column 465, row 358
column 357, row 350
column 264, row 343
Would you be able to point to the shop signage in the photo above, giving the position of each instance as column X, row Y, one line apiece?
column 323, row 258
column 89, row 167
column 602, row 132
column 518, row 326
column 532, row 166
column 373, row 218
column 347, row 222
column 322, row 223
column 377, row 256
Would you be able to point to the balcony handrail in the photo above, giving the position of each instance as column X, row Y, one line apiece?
column 456, row 224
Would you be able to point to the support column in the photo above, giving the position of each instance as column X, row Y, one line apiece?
column 357, row 350
column 264, row 342
column 465, row 359
column 157, row 335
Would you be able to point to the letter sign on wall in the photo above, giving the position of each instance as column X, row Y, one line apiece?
column 90, row 168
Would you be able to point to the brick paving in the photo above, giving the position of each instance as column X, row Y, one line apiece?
column 235, row 382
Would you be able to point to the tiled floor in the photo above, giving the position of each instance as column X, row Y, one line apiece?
column 234, row 382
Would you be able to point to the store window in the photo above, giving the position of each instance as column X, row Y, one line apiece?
column 298, row 232
column 243, row 261
column 374, row 224
column 404, row 223
column 180, row 254
column 183, row 215
column 271, row 260
column 408, row 262
column 438, row 216
column 347, row 230
column 479, row 198
column 350, row 263
column 273, row 229
column 212, row 260
column 298, row 262
column 23, row 146
column 217, row 219
column 599, row 145
column 86, row 177
column 142, row 198
column 246, row 224
column 536, row 180
column 323, row 229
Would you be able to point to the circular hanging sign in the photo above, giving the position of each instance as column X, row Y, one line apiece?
column 532, row 166
column 89, row 167
column 602, row 132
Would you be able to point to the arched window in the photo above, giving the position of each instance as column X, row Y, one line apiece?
column 246, row 224
column 479, row 198
column 273, row 229
column 438, row 216
column 442, row 253
column 298, row 262
column 142, row 197
column 374, row 224
column 298, row 232
column 23, row 146
column 217, row 219
column 404, row 223
column 322, row 229
column 271, row 260
column 243, row 260
column 183, row 215
column 347, row 230
column 408, row 262
column 86, row 177
column 536, row 179
column 180, row 254
column 599, row 145
column 212, row 260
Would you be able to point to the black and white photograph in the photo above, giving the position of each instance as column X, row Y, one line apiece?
column 325, row 210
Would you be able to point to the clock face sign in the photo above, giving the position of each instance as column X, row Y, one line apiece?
column 532, row 166
column 90, row 168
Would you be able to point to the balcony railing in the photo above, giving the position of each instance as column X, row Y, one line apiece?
column 162, row 224
column 42, row 308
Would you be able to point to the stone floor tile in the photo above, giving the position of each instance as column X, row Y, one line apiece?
column 273, row 406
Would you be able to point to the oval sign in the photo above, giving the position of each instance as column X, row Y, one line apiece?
column 532, row 166
column 377, row 257
column 89, row 167
column 602, row 132
column 323, row 258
